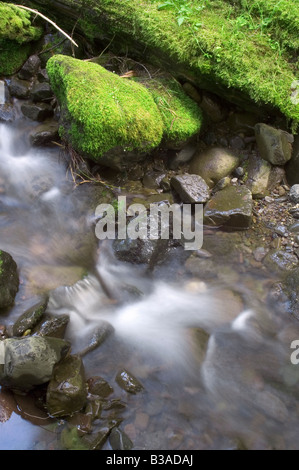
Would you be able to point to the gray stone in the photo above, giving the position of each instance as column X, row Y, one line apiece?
column 294, row 193
column 29, row 361
column 213, row 164
column 212, row 108
column 119, row 440
column 67, row 390
column 19, row 88
column 37, row 111
column 274, row 145
column 259, row 171
column 230, row 207
column 41, row 91
column 152, row 179
column 191, row 188
column 9, row 279
column 30, row 68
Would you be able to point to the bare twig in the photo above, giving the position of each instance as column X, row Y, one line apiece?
column 50, row 21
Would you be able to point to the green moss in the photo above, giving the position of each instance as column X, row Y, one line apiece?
column 228, row 45
column 16, row 33
column 182, row 118
column 101, row 111
column 15, row 24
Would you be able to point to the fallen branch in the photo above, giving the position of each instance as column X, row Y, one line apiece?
column 50, row 21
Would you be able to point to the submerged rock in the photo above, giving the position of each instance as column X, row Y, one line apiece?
column 30, row 318
column 230, row 207
column 119, row 440
column 274, row 145
column 213, row 164
column 9, row 279
column 67, row 391
column 128, row 382
column 29, row 361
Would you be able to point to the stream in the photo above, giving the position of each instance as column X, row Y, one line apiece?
column 212, row 352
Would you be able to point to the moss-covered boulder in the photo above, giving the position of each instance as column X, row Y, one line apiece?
column 115, row 120
column 16, row 35
column 9, row 279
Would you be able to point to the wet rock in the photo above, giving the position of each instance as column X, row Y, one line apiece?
column 128, row 382
column 191, row 188
column 9, row 279
column 96, row 440
column 99, row 386
column 29, row 361
column 19, row 88
column 213, row 164
column 134, row 251
column 152, row 179
column 37, row 111
column 43, row 76
column 280, row 261
column 41, row 91
column 119, row 440
column 44, row 133
column 294, row 193
column 66, row 392
column 292, row 167
column 30, row 68
column 98, row 337
column 281, row 230
column 51, row 325
column 30, row 318
column 181, row 157
column 230, row 207
column 7, row 112
column 274, row 145
column 258, row 176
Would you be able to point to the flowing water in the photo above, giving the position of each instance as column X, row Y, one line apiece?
column 213, row 355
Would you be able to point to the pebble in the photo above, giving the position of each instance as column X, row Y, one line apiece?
column 141, row 421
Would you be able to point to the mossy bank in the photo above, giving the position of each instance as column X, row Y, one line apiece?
column 244, row 51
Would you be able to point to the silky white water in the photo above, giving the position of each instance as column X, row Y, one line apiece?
column 236, row 375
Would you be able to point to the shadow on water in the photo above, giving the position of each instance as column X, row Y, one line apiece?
column 214, row 357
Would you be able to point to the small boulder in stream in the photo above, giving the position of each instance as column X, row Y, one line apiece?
column 213, row 164
column 230, row 207
column 191, row 188
column 29, row 361
column 9, row 279
column 275, row 145
column 67, row 389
